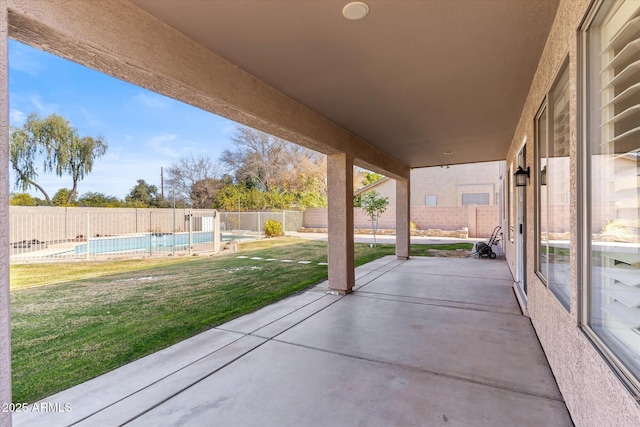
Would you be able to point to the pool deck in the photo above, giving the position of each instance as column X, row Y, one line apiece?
column 423, row 342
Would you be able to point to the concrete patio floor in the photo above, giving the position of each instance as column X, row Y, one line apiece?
column 423, row 342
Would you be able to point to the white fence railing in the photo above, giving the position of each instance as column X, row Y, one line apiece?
column 253, row 222
column 43, row 233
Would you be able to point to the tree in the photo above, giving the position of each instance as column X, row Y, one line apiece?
column 22, row 199
column 58, row 145
column 98, row 200
column 273, row 165
column 373, row 206
column 143, row 195
column 258, row 157
column 362, row 178
column 203, row 192
column 184, row 174
column 63, row 198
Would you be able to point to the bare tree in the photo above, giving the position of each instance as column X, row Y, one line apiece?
column 273, row 164
column 258, row 158
column 183, row 175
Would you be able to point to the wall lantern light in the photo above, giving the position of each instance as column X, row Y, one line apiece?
column 521, row 176
column 543, row 175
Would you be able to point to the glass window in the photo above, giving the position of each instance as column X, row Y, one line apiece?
column 613, row 144
column 475, row 199
column 553, row 186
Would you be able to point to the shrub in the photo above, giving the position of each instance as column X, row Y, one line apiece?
column 413, row 226
column 273, row 228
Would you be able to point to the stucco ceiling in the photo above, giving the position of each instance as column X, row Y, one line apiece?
column 415, row 78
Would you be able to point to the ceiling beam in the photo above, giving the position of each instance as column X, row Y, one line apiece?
column 119, row 39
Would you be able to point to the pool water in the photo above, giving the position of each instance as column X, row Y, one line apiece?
column 153, row 242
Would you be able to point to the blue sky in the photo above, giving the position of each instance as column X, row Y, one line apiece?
column 144, row 130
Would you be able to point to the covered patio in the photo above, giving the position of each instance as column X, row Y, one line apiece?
column 424, row 341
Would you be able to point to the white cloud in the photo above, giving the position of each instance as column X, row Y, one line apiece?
column 151, row 100
column 17, row 117
column 42, row 107
column 162, row 144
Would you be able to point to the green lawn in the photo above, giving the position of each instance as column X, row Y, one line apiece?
column 97, row 316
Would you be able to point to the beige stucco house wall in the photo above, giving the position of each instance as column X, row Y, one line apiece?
column 595, row 395
column 448, row 184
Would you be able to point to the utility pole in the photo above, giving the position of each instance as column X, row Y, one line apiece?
column 161, row 183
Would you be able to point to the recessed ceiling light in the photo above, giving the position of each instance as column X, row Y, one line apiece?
column 355, row 10
column 448, row 153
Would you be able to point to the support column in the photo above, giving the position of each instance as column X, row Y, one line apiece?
column 5, row 318
column 403, row 218
column 340, row 212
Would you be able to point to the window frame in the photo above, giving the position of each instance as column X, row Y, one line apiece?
column 426, row 199
column 547, row 109
column 584, row 202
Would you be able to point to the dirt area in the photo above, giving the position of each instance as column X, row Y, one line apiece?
column 457, row 253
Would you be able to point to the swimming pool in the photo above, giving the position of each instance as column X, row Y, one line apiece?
column 152, row 242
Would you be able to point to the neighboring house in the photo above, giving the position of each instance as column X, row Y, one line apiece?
column 455, row 185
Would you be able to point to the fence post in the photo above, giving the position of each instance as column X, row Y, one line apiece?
column 284, row 224
column 258, row 224
column 190, row 231
column 216, row 231
column 150, row 235
column 88, row 234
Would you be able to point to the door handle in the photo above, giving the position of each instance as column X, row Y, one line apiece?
column 520, row 228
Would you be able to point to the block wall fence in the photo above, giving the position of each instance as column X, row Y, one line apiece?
column 480, row 220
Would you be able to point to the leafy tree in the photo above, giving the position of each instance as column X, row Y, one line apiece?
column 239, row 197
column 63, row 197
column 99, row 200
column 231, row 198
column 22, row 199
column 143, row 195
column 362, row 178
column 59, row 147
column 183, row 175
column 373, row 206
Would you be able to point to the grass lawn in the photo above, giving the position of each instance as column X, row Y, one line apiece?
column 86, row 319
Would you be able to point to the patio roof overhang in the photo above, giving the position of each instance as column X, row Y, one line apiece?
column 415, row 79
column 398, row 89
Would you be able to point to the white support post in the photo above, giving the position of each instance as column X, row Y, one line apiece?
column 259, row 228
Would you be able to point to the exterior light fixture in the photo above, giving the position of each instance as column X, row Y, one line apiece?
column 355, row 10
column 543, row 175
column 521, row 176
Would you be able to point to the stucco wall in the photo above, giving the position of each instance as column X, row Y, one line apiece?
column 594, row 395
column 448, row 184
column 480, row 220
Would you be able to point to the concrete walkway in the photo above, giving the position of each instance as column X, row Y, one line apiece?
column 423, row 342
